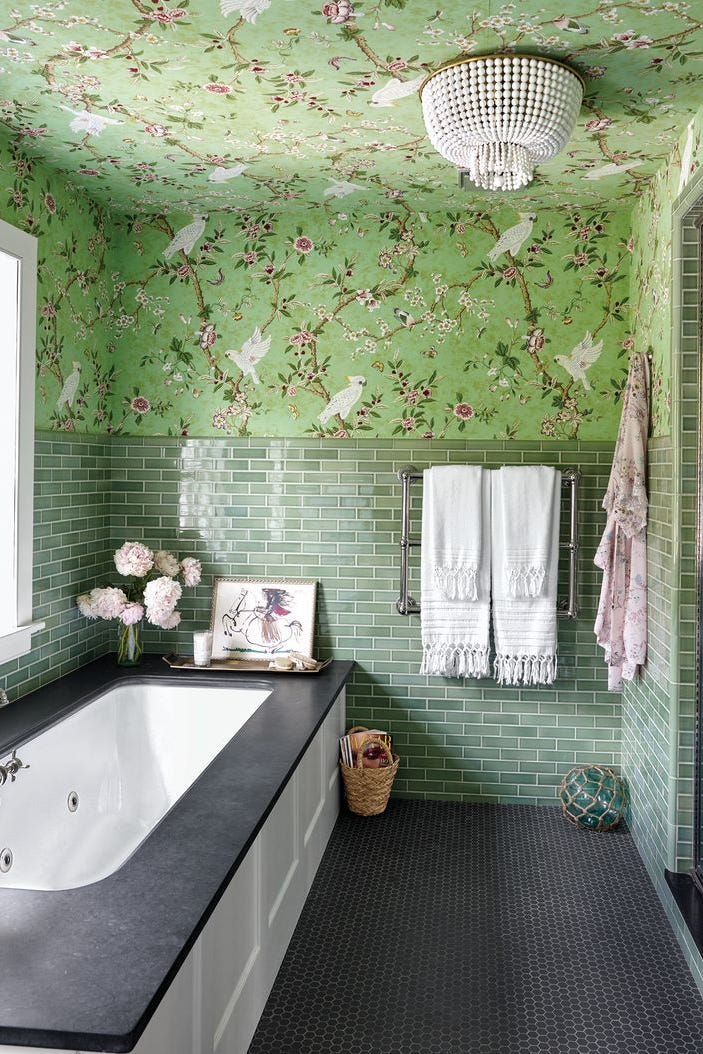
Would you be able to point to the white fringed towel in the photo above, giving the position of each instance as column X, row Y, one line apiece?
column 525, row 555
column 455, row 571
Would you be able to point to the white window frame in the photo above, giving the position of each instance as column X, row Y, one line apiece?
column 18, row 640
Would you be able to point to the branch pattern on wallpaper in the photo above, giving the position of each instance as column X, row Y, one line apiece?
column 393, row 324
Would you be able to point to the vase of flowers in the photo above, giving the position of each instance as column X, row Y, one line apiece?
column 151, row 592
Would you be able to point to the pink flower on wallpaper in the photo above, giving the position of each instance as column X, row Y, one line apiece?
column 338, row 13
column 631, row 40
column 49, row 310
column 598, row 124
column 215, row 88
column 397, row 66
column 509, row 273
column 168, row 17
column 208, row 336
column 89, row 171
column 463, row 411
column 304, row 336
column 535, row 340
column 140, row 405
column 183, row 271
column 303, row 244
column 250, row 257
column 157, row 130
column 408, row 423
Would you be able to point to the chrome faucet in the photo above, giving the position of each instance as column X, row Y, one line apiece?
column 11, row 768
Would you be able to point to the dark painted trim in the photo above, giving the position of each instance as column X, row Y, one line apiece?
column 689, row 902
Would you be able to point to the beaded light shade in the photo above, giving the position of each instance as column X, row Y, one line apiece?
column 497, row 116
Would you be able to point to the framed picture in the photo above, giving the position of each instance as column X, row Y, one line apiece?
column 254, row 618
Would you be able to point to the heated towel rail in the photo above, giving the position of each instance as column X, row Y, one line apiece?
column 406, row 605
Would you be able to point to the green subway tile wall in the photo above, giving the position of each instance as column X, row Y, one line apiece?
column 71, row 535
column 659, row 712
column 330, row 510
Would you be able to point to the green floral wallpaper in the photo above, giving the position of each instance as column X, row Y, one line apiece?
column 652, row 266
column 501, row 325
column 74, row 370
column 158, row 105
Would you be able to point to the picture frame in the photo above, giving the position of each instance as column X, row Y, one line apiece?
column 259, row 618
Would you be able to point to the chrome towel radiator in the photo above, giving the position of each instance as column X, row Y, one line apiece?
column 406, row 605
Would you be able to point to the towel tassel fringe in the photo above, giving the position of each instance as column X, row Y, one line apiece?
column 443, row 659
column 525, row 669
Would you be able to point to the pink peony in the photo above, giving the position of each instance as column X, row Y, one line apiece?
column 215, row 88
column 131, row 614
column 140, row 404
column 166, row 563
column 192, row 570
column 302, row 244
column 134, row 558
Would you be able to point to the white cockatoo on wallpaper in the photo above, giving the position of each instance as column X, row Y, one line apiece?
column 185, row 239
column 686, row 158
column 611, row 169
column 249, row 10
column 342, row 402
column 70, row 387
column 583, row 356
column 223, row 175
column 340, row 188
column 511, row 240
column 251, row 354
column 395, row 90
column 87, row 122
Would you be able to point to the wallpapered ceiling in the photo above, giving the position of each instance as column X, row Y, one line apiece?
column 156, row 104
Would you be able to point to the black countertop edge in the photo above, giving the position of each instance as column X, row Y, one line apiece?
column 689, row 902
column 129, row 916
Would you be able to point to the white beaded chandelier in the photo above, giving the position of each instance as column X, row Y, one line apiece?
column 497, row 116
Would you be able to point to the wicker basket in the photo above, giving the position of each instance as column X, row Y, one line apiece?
column 368, row 790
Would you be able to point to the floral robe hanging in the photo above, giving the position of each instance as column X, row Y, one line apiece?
column 621, row 624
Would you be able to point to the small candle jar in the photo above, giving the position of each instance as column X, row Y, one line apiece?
column 202, row 648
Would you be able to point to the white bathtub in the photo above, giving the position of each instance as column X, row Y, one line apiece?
column 128, row 756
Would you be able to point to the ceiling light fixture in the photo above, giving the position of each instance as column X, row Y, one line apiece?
column 496, row 116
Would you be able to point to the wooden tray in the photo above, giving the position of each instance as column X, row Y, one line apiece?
column 185, row 662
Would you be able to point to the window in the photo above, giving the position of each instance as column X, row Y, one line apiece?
column 18, row 296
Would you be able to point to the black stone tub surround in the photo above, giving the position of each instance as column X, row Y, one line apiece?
column 86, row 968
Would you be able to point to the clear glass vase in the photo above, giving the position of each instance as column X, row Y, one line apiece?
column 129, row 644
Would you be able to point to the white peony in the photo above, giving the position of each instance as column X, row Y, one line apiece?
column 160, row 598
column 192, row 570
column 105, row 603
column 134, row 558
column 166, row 563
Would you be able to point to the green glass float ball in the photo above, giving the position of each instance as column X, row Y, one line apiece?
column 593, row 797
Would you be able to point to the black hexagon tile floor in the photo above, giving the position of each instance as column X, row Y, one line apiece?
column 443, row 928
